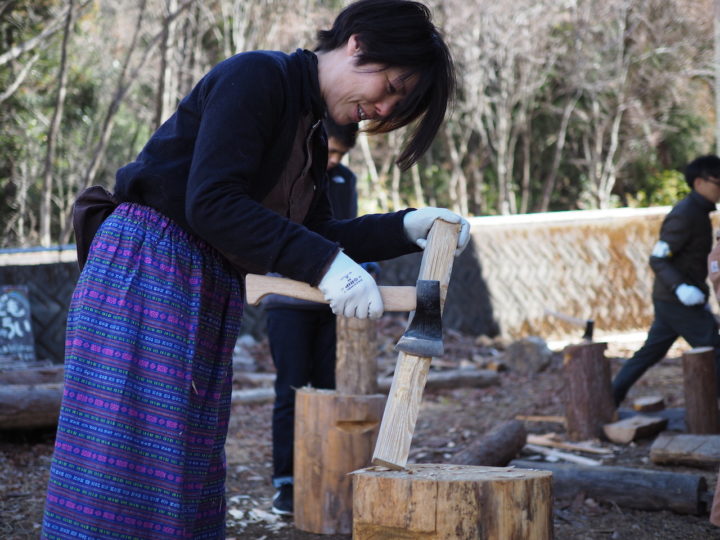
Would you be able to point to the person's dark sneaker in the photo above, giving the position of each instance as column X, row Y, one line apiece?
column 283, row 500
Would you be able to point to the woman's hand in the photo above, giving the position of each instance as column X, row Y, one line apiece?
column 350, row 290
column 417, row 225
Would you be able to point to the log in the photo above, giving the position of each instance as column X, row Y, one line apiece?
column 701, row 451
column 633, row 428
column 641, row 489
column 452, row 501
column 496, row 448
column 715, row 509
column 452, row 378
column 403, row 404
column 33, row 375
column 32, row 406
column 38, row 405
column 588, row 395
column 436, row 380
column 356, row 356
column 334, row 435
column 701, row 408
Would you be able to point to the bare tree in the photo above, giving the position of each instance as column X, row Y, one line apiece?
column 47, row 192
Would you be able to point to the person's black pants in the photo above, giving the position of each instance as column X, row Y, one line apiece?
column 302, row 344
column 694, row 323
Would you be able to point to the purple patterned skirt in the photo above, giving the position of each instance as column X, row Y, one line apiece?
column 139, row 451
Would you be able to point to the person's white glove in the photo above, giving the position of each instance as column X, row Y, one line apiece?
column 689, row 295
column 417, row 225
column 350, row 290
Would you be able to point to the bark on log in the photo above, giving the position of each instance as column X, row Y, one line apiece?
column 334, row 435
column 33, row 375
column 691, row 450
column 356, row 356
column 715, row 510
column 588, row 395
column 701, row 408
column 452, row 501
column 30, row 406
column 627, row 487
column 496, row 448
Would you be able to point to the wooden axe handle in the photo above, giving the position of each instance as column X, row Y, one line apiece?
column 395, row 298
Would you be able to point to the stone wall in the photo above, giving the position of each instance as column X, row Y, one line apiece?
column 586, row 264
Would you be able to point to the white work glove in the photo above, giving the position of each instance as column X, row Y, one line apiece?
column 350, row 290
column 418, row 222
column 689, row 295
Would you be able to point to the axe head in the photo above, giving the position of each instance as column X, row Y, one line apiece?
column 423, row 336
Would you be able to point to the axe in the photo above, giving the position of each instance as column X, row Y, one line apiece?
column 588, row 324
column 423, row 336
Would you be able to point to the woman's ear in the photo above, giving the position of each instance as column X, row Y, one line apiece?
column 353, row 45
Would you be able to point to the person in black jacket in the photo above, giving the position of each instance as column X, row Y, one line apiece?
column 302, row 333
column 233, row 182
column 680, row 291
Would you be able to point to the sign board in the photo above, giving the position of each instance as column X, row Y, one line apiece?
column 16, row 336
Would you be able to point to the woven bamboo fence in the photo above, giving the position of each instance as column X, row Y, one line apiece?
column 586, row 264
column 590, row 264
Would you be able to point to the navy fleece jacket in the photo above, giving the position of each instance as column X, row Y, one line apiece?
column 210, row 164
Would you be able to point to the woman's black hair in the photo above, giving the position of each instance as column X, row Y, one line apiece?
column 400, row 33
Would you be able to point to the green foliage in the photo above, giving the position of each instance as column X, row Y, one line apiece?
column 662, row 188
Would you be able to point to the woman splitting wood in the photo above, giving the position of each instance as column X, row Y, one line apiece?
column 233, row 182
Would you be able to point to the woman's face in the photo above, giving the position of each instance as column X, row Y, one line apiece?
column 353, row 92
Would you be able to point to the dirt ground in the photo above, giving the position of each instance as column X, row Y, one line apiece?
column 449, row 419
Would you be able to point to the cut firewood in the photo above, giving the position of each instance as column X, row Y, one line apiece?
column 636, row 427
column 565, row 456
column 642, row 489
column 496, row 448
column 683, row 449
column 551, row 440
column 540, row 418
column 649, row 404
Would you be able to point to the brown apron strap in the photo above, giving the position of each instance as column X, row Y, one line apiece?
column 92, row 206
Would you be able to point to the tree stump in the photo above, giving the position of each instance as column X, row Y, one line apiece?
column 588, row 392
column 452, row 502
column 701, row 409
column 334, row 435
column 356, row 364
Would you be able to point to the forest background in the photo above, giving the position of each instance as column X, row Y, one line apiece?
column 562, row 105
